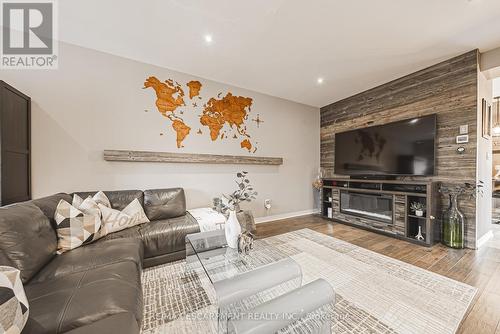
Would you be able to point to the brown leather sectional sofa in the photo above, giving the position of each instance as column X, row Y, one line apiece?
column 94, row 288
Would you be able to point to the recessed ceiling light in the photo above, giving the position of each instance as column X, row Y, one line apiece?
column 320, row 81
column 208, row 38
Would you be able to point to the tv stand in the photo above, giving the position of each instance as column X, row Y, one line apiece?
column 384, row 206
column 373, row 177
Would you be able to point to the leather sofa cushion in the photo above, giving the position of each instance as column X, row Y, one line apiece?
column 123, row 323
column 27, row 239
column 48, row 204
column 131, row 232
column 119, row 199
column 82, row 298
column 166, row 236
column 92, row 256
column 164, row 203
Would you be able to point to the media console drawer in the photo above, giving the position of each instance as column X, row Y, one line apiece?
column 406, row 188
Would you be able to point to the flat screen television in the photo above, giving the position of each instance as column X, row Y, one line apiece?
column 400, row 148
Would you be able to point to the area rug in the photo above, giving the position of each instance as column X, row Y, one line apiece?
column 374, row 293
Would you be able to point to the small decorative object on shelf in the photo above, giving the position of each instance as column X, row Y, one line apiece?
column 453, row 228
column 245, row 242
column 231, row 203
column 419, row 235
column 318, row 182
column 418, row 208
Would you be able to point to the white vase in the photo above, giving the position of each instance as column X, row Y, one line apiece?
column 233, row 230
column 419, row 213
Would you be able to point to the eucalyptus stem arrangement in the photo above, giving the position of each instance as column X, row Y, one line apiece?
column 466, row 188
column 244, row 193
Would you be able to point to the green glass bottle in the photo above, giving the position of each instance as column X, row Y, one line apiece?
column 453, row 230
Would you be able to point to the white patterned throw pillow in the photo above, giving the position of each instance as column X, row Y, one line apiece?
column 74, row 227
column 77, row 201
column 100, row 198
column 115, row 220
column 88, row 206
column 14, row 308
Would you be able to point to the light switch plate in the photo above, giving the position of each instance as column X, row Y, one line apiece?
column 463, row 139
column 464, row 129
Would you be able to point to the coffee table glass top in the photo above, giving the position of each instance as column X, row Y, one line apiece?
column 210, row 251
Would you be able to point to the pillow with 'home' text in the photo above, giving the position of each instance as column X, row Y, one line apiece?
column 114, row 220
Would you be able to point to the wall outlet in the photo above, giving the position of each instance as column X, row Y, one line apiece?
column 267, row 204
column 464, row 129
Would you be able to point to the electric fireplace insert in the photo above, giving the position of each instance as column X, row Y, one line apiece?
column 371, row 206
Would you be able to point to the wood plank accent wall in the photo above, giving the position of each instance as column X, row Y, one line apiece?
column 448, row 89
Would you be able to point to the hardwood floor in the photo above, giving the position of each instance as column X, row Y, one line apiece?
column 479, row 268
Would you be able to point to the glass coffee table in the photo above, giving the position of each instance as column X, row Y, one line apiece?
column 209, row 251
column 266, row 277
column 240, row 282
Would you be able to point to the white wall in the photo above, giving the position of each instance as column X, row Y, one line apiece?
column 490, row 63
column 484, row 164
column 95, row 101
column 496, row 87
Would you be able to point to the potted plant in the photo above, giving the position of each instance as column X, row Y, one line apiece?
column 231, row 203
column 418, row 208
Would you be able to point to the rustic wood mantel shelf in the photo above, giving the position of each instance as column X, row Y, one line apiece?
column 143, row 156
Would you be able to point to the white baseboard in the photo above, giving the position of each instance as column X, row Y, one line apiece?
column 484, row 239
column 266, row 219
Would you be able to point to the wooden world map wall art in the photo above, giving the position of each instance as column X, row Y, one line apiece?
column 223, row 116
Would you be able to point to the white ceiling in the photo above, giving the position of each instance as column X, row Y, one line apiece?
column 281, row 47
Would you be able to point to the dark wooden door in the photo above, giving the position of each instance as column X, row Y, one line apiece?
column 15, row 159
